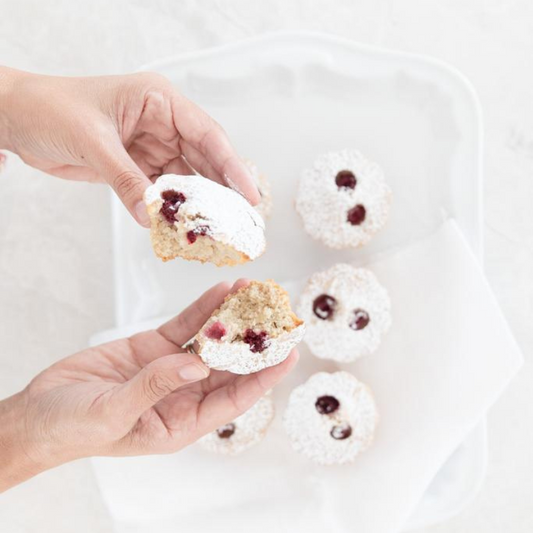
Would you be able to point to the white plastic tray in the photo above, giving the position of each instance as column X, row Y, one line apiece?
column 287, row 97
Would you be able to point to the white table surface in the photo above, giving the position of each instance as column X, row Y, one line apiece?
column 55, row 270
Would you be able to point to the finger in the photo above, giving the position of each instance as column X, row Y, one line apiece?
column 208, row 137
column 183, row 327
column 150, row 170
column 153, row 166
column 179, row 165
column 155, row 148
column 242, row 282
column 227, row 403
column 156, row 381
column 124, row 175
column 147, row 149
column 239, row 284
column 197, row 160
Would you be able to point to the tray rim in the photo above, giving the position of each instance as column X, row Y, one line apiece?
column 455, row 76
column 293, row 35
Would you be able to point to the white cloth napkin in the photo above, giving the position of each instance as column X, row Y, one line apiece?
column 447, row 358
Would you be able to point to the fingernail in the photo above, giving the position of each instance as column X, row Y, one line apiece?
column 192, row 372
column 141, row 215
column 232, row 184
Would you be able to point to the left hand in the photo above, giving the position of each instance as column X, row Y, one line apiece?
column 134, row 396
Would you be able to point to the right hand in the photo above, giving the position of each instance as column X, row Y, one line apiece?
column 123, row 130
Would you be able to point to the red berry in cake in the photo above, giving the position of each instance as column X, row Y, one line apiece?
column 345, row 179
column 174, row 197
column 341, row 432
column 326, row 405
column 215, row 331
column 199, row 231
column 359, row 320
column 356, row 215
column 258, row 341
column 225, row 432
column 245, row 431
column 171, row 204
column 324, row 306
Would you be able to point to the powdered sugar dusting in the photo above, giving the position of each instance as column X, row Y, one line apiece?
column 353, row 288
column 323, row 206
column 231, row 219
column 250, row 428
column 237, row 357
column 311, row 432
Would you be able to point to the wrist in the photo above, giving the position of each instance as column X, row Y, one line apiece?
column 9, row 78
column 16, row 463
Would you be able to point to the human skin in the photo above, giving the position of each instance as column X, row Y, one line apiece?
column 121, row 130
column 135, row 396
column 144, row 394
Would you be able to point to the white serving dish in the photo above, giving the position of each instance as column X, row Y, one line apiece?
column 283, row 99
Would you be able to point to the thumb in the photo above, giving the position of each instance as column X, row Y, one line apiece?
column 129, row 182
column 156, row 381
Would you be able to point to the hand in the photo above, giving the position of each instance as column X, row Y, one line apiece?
column 123, row 130
column 141, row 395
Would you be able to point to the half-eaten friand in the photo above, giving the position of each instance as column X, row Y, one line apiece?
column 200, row 220
column 253, row 329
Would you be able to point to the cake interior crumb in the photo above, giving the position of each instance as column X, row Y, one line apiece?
column 170, row 241
column 260, row 306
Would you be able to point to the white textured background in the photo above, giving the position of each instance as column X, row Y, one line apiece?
column 55, row 271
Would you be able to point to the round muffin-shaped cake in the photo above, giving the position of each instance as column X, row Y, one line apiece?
column 244, row 432
column 253, row 329
column 343, row 199
column 346, row 311
column 331, row 418
column 197, row 219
